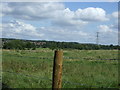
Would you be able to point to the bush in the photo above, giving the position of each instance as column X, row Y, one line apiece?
column 19, row 45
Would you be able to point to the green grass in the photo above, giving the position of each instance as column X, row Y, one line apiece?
column 92, row 73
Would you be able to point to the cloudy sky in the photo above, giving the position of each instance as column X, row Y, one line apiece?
column 64, row 21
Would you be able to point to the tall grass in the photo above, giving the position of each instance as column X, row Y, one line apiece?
column 96, row 74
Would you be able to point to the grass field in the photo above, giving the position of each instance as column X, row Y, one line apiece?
column 77, row 72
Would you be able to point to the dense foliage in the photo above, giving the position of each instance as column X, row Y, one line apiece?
column 75, row 45
column 32, row 44
column 19, row 44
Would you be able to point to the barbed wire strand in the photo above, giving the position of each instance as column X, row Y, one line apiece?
column 46, row 78
column 51, row 58
column 21, row 74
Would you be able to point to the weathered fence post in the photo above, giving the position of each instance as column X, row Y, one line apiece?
column 57, row 70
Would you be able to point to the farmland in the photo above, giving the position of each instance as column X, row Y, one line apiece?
column 81, row 68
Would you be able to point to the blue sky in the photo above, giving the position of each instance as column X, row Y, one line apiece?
column 67, row 21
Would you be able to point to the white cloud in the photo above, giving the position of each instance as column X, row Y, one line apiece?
column 108, row 34
column 60, row 34
column 56, row 12
column 115, row 14
column 18, row 29
column 105, row 29
column 91, row 14
column 114, row 26
column 63, row 23
column 31, row 11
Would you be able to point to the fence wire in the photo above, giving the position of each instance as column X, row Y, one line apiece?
column 46, row 78
column 64, row 57
column 51, row 59
column 89, row 58
column 26, row 75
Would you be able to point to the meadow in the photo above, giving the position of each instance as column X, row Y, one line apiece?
column 81, row 68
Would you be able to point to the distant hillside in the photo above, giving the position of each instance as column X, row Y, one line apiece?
column 62, row 45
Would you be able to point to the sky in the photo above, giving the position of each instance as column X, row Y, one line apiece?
column 61, row 21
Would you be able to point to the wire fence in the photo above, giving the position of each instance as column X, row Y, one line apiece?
column 26, row 75
column 46, row 78
column 50, row 79
column 64, row 57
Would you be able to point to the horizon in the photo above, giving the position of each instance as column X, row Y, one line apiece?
column 59, row 41
column 61, row 21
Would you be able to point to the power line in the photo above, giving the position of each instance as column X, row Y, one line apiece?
column 97, row 38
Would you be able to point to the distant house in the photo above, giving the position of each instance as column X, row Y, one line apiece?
column 39, row 43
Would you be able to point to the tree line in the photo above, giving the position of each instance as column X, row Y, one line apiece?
column 19, row 44
column 31, row 44
column 75, row 45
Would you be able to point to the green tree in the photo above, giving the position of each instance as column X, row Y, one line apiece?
column 14, row 44
column 30, row 45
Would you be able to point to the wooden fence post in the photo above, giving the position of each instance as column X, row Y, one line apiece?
column 57, row 70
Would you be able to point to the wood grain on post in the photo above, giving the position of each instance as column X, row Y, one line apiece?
column 57, row 69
